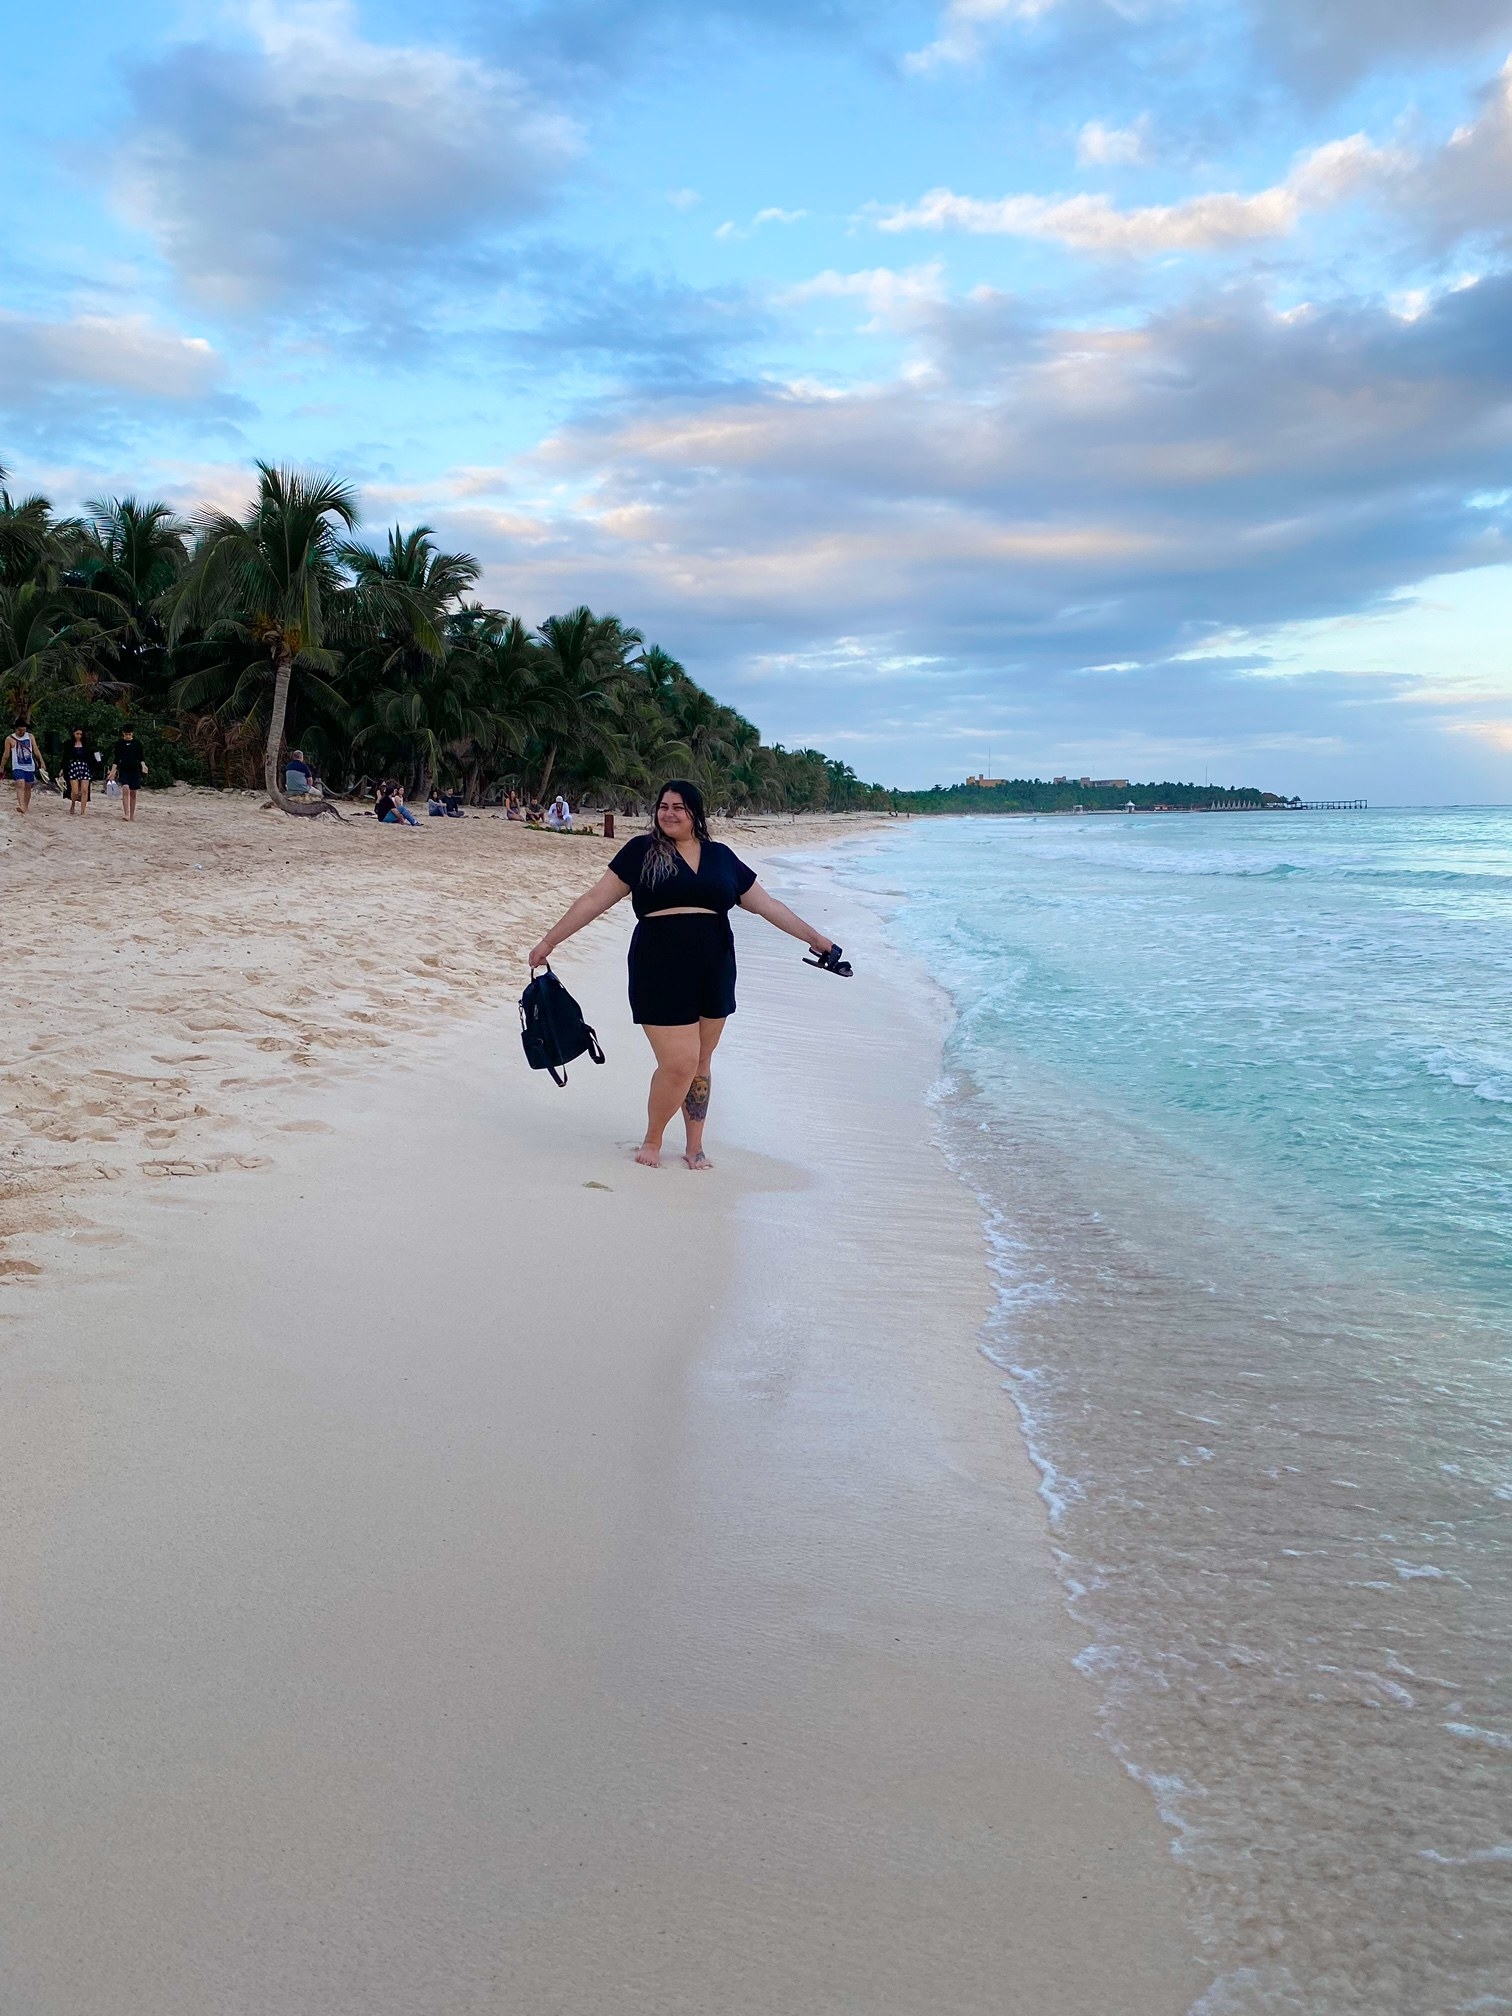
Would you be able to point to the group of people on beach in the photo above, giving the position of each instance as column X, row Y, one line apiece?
column 557, row 815
column 78, row 768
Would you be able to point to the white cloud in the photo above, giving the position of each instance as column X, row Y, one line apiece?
column 1203, row 223
column 684, row 199
column 305, row 155
column 123, row 356
column 1100, row 146
column 771, row 215
column 890, row 296
column 963, row 27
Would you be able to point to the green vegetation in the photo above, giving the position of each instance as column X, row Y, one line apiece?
column 1032, row 794
column 230, row 640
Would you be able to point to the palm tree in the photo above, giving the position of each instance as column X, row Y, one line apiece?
column 521, row 705
column 585, row 660
column 271, row 579
column 129, row 558
column 30, row 541
column 408, row 690
column 39, row 644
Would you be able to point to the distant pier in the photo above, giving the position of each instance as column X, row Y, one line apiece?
column 1332, row 805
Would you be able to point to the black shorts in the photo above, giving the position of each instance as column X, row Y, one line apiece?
column 681, row 969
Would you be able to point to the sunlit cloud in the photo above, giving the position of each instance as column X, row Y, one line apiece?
column 1205, row 223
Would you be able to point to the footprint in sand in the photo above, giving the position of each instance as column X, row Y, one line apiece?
column 214, row 1167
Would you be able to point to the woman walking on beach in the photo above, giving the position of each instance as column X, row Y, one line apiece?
column 79, row 772
column 683, row 886
column 21, row 753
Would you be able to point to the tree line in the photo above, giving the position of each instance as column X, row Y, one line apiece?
column 1033, row 794
column 229, row 640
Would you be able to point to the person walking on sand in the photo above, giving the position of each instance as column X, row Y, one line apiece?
column 21, row 754
column 683, row 886
column 78, row 770
column 128, row 769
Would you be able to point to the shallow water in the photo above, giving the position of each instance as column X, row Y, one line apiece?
column 1236, row 1094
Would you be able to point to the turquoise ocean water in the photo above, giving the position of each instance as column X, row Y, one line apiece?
column 1235, row 1093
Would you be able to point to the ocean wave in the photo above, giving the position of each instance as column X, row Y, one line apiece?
column 1261, row 870
column 1487, row 1078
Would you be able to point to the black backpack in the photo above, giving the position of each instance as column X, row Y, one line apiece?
column 552, row 1028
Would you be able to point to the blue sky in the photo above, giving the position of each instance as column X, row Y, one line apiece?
column 1119, row 385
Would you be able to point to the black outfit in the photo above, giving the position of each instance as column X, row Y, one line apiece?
column 79, row 769
column 128, row 765
column 682, row 968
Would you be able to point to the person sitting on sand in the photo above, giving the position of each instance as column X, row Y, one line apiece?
column 391, row 808
column 79, row 771
column 299, row 778
column 21, row 754
column 128, row 769
column 512, row 806
column 559, row 815
column 683, row 886
column 534, row 816
column 435, row 805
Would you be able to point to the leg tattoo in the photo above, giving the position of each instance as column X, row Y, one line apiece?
column 696, row 1105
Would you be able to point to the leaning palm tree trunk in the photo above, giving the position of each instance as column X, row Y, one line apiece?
column 274, row 751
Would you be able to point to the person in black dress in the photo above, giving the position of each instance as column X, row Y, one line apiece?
column 683, row 886
column 78, row 771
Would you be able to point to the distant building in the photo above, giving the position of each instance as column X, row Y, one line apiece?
column 1060, row 780
column 1109, row 783
column 987, row 783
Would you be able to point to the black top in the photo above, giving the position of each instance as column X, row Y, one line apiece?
column 128, row 761
column 722, row 878
column 384, row 806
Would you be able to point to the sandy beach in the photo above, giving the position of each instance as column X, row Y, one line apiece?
column 453, row 1569
column 180, row 984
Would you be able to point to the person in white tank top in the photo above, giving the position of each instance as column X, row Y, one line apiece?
column 21, row 753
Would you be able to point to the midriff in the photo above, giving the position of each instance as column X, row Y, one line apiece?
column 682, row 910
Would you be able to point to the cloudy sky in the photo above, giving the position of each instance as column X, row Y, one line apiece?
column 1121, row 385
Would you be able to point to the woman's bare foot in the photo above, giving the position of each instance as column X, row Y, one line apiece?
column 698, row 1160
column 649, row 1155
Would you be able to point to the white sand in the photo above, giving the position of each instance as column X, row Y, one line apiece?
column 436, row 1584
column 177, row 988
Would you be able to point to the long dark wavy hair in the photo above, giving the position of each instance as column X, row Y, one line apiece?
column 661, row 855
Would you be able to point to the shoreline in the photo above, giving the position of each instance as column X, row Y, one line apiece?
column 528, row 1593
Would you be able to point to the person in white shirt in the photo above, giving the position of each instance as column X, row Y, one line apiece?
column 559, row 816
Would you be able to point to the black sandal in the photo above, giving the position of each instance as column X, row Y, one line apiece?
column 831, row 962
